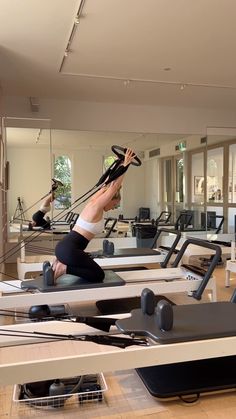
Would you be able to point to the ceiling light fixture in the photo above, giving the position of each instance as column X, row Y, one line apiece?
column 72, row 34
column 34, row 104
column 126, row 83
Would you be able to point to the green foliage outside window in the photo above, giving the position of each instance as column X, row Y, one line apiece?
column 62, row 172
column 108, row 162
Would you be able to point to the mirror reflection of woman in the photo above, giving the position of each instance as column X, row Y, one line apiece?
column 39, row 218
column 70, row 255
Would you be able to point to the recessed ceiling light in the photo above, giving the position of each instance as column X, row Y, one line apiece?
column 126, row 83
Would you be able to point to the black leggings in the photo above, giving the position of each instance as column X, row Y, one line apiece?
column 70, row 251
column 38, row 218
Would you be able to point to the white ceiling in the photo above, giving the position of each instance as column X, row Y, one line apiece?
column 123, row 51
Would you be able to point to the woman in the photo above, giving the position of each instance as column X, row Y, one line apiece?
column 38, row 219
column 70, row 255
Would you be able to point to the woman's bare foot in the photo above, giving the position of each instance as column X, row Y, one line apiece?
column 59, row 269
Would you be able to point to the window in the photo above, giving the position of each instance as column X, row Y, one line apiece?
column 179, row 176
column 215, row 174
column 108, row 162
column 62, row 172
column 232, row 174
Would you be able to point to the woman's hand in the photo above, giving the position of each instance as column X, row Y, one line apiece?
column 129, row 156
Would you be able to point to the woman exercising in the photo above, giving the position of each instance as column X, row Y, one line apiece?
column 38, row 218
column 70, row 255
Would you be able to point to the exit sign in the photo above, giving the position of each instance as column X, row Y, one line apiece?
column 182, row 146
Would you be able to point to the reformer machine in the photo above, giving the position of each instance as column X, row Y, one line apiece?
column 45, row 282
column 189, row 279
column 111, row 257
column 167, row 324
column 165, row 334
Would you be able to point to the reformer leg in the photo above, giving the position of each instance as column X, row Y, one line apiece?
column 46, row 264
column 233, row 298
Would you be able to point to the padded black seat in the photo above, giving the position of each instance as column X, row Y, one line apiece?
column 71, row 282
column 190, row 378
column 190, row 322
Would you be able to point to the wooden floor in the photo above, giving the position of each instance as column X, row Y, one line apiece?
column 126, row 396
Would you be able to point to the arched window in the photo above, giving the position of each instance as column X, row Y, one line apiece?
column 62, row 172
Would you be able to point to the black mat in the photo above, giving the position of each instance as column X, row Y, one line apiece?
column 124, row 305
column 127, row 252
column 71, row 282
column 191, row 322
column 186, row 378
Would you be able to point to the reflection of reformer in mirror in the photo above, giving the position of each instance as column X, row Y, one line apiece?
column 39, row 218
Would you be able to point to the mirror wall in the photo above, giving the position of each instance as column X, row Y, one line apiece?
column 221, row 175
column 30, row 169
column 179, row 172
column 87, row 151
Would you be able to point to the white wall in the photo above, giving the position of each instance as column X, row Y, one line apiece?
column 152, row 194
column 30, row 177
column 68, row 114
